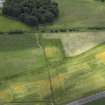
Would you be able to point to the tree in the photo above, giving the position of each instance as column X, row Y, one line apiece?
column 31, row 12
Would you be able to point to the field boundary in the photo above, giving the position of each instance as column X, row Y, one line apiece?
column 59, row 30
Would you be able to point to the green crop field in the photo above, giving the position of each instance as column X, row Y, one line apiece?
column 22, row 70
column 34, row 70
column 16, row 54
column 81, row 76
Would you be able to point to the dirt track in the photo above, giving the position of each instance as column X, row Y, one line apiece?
column 88, row 99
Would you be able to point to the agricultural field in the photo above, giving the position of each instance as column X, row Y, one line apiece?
column 80, row 13
column 81, row 76
column 76, row 43
column 80, row 72
column 34, row 69
column 21, row 74
column 24, row 70
column 18, row 51
column 39, row 68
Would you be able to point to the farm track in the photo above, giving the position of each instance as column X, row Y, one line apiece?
column 88, row 99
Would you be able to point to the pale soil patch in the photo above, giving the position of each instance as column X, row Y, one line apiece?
column 76, row 43
column 101, row 56
column 51, row 51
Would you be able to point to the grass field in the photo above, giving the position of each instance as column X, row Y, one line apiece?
column 98, row 102
column 16, row 54
column 34, row 70
column 23, row 71
column 7, row 25
column 44, row 69
column 80, row 13
column 81, row 76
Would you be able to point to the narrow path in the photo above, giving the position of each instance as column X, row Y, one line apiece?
column 88, row 99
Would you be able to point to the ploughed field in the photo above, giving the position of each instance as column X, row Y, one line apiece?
column 35, row 70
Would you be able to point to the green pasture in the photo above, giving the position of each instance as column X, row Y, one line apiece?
column 7, row 25
column 19, row 53
column 80, row 13
column 28, row 73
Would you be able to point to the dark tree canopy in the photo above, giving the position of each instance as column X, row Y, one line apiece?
column 31, row 12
